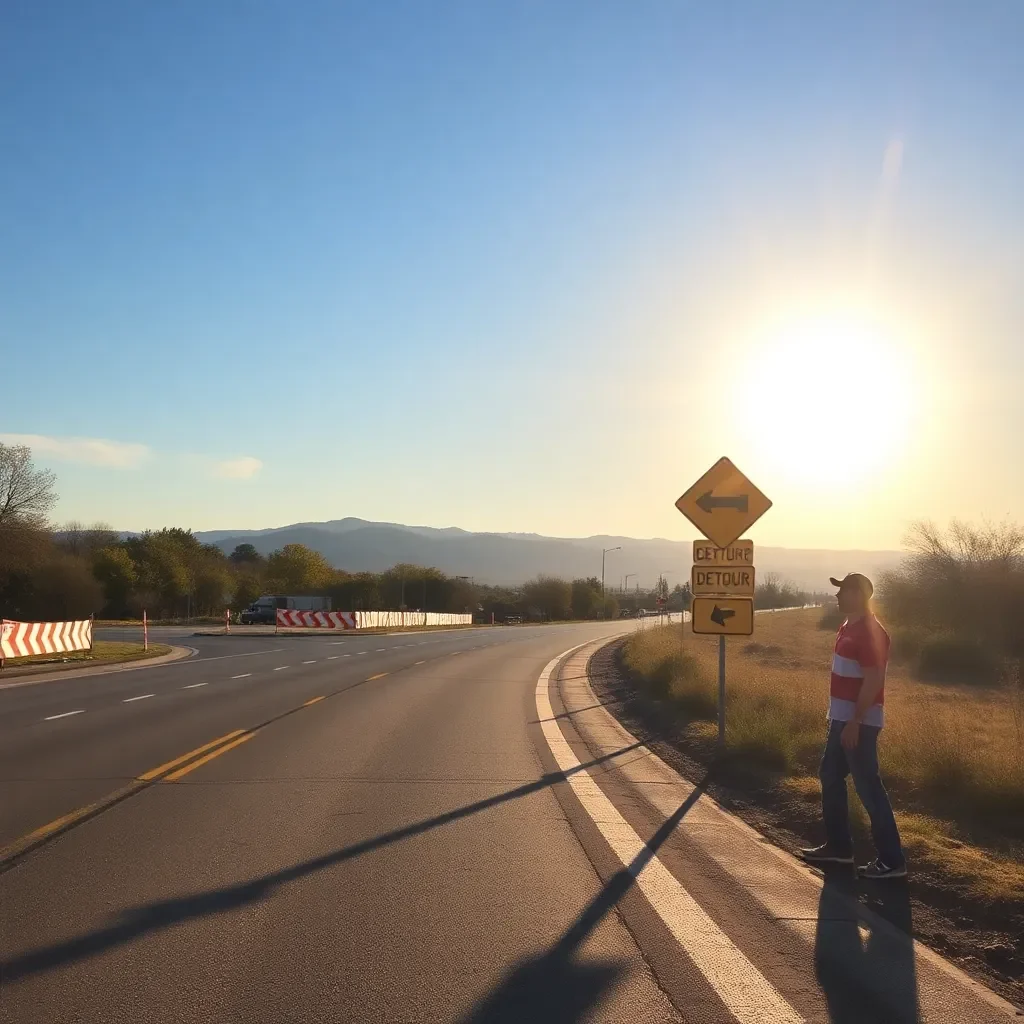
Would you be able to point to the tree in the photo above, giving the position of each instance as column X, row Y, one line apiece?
column 26, row 494
column 245, row 554
column 115, row 571
column 84, row 541
column 967, row 581
column 64, row 588
column 247, row 588
column 26, row 497
column 296, row 569
column 586, row 598
column 548, row 597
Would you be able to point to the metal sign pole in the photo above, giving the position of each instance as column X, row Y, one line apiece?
column 721, row 693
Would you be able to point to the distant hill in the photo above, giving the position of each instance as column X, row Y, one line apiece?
column 358, row 546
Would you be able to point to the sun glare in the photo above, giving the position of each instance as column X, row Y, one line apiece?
column 842, row 387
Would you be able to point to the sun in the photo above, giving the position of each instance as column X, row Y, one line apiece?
column 829, row 400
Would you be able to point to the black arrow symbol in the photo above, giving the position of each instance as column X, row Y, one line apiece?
column 720, row 615
column 707, row 503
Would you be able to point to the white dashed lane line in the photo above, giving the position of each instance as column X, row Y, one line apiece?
column 247, row 675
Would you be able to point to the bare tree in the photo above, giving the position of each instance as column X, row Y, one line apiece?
column 84, row 541
column 26, row 493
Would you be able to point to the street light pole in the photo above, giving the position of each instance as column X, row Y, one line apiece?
column 604, row 551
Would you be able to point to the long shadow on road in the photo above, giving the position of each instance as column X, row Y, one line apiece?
column 556, row 987
column 153, row 917
column 872, row 980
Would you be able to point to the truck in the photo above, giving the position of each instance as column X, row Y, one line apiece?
column 263, row 611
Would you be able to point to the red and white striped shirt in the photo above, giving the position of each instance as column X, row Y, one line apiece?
column 859, row 645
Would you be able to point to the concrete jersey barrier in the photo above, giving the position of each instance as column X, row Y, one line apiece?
column 22, row 639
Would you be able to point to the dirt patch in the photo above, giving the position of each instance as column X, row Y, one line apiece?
column 985, row 938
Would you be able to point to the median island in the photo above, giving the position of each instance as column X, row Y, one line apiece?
column 104, row 652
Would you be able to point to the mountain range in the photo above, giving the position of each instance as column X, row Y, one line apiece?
column 510, row 558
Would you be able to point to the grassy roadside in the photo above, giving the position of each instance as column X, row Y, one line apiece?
column 104, row 652
column 952, row 755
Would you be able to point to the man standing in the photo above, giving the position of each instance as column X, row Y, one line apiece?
column 855, row 717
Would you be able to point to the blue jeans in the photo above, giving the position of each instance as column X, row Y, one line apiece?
column 862, row 764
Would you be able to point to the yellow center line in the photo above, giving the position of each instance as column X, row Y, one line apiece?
column 209, row 757
column 313, row 700
column 379, row 675
column 192, row 753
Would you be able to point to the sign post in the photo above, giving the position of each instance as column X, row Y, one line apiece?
column 723, row 504
column 721, row 692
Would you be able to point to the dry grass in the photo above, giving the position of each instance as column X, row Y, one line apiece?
column 953, row 757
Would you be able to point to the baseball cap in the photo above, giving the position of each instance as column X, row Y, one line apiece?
column 854, row 580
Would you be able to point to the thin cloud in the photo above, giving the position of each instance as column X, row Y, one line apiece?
column 244, row 468
column 88, row 451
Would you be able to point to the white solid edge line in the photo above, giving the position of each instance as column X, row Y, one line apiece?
column 141, row 696
column 747, row 993
column 66, row 714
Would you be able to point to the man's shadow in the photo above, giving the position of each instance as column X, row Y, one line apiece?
column 873, row 979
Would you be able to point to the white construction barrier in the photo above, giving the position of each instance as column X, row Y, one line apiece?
column 22, row 639
column 390, row 620
column 287, row 619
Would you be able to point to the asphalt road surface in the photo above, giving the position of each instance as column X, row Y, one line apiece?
column 412, row 827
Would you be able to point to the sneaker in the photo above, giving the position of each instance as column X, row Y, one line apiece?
column 825, row 855
column 878, row 870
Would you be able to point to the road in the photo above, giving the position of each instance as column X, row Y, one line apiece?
column 414, row 827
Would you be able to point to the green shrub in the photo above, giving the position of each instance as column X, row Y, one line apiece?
column 831, row 618
column 951, row 659
column 907, row 643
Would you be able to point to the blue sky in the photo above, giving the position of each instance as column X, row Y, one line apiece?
column 509, row 266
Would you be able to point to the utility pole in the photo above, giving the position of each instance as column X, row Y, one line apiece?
column 604, row 551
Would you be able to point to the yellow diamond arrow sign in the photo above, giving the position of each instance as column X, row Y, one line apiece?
column 723, row 504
